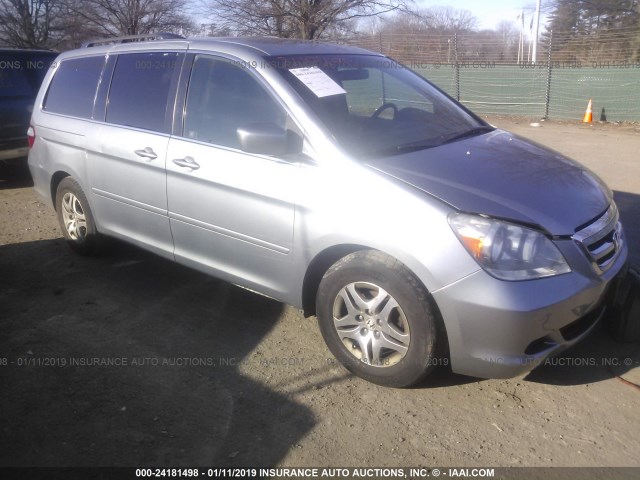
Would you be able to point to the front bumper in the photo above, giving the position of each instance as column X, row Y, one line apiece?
column 499, row 329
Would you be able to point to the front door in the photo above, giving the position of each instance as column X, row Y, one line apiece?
column 231, row 212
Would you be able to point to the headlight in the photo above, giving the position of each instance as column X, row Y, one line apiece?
column 508, row 251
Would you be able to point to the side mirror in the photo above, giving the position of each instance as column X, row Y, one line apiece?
column 268, row 139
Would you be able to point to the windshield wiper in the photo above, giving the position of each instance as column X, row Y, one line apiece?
column 397, row 149
column 413, row 146
column 470, row 133
column 423, row 145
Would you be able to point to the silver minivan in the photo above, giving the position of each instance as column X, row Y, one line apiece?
column 338, row 181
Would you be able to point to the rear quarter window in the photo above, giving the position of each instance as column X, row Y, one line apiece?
column 73, row 88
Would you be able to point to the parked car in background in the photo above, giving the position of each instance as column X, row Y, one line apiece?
column 21, row 73
column 336, row 180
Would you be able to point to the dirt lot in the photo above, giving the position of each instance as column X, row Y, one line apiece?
column 209, row 374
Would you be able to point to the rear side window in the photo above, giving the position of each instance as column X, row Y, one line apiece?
column 140, row 90
column 73, row 88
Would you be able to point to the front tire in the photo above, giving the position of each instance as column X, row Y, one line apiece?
column 75, row 218
column 377, row 319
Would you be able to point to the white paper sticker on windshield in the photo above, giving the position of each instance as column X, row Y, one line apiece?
column 317, row 81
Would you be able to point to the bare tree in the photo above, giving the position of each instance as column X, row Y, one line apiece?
column 434, row 20
column 211, row 30
column 449, row 19
column 407, row 23
column 509, row 37
column 31, row 23
column 133, row 17
column 307, row 19
column 583, row 30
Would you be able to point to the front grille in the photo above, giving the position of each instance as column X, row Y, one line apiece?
column 602, row 240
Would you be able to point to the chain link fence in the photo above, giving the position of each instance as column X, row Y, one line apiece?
column 496, row 75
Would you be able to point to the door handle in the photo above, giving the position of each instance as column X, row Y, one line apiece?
column 147, row 153
column 187, row 162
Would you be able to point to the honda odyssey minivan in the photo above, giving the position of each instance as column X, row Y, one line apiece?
column 338, row 181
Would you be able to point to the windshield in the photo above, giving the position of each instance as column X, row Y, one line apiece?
column 374, row 106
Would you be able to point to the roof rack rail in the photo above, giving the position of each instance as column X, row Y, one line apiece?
column 133, row 38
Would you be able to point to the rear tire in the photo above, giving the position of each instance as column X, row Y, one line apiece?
column 76, row 219
column 377, row 319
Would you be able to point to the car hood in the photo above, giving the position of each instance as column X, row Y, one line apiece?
column 502, row 175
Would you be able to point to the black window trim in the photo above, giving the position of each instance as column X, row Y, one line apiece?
column 102, row 93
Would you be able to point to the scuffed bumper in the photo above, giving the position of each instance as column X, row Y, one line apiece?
column 499, row 329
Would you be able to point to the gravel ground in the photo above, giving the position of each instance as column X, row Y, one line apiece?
column 204, row 373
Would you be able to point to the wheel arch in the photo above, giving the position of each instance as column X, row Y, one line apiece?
column 330, row 255
column 316, row 270
column 56, row 178
column 411, row 295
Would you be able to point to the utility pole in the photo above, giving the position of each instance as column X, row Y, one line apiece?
column 521, row 42
column 536, row 30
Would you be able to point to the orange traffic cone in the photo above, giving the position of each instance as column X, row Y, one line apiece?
column 588, row 115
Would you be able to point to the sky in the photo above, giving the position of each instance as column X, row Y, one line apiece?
column 490, row 12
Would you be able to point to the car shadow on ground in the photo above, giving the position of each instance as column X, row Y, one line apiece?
column 15, row 175
column 129, row 359
column 597, row 358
